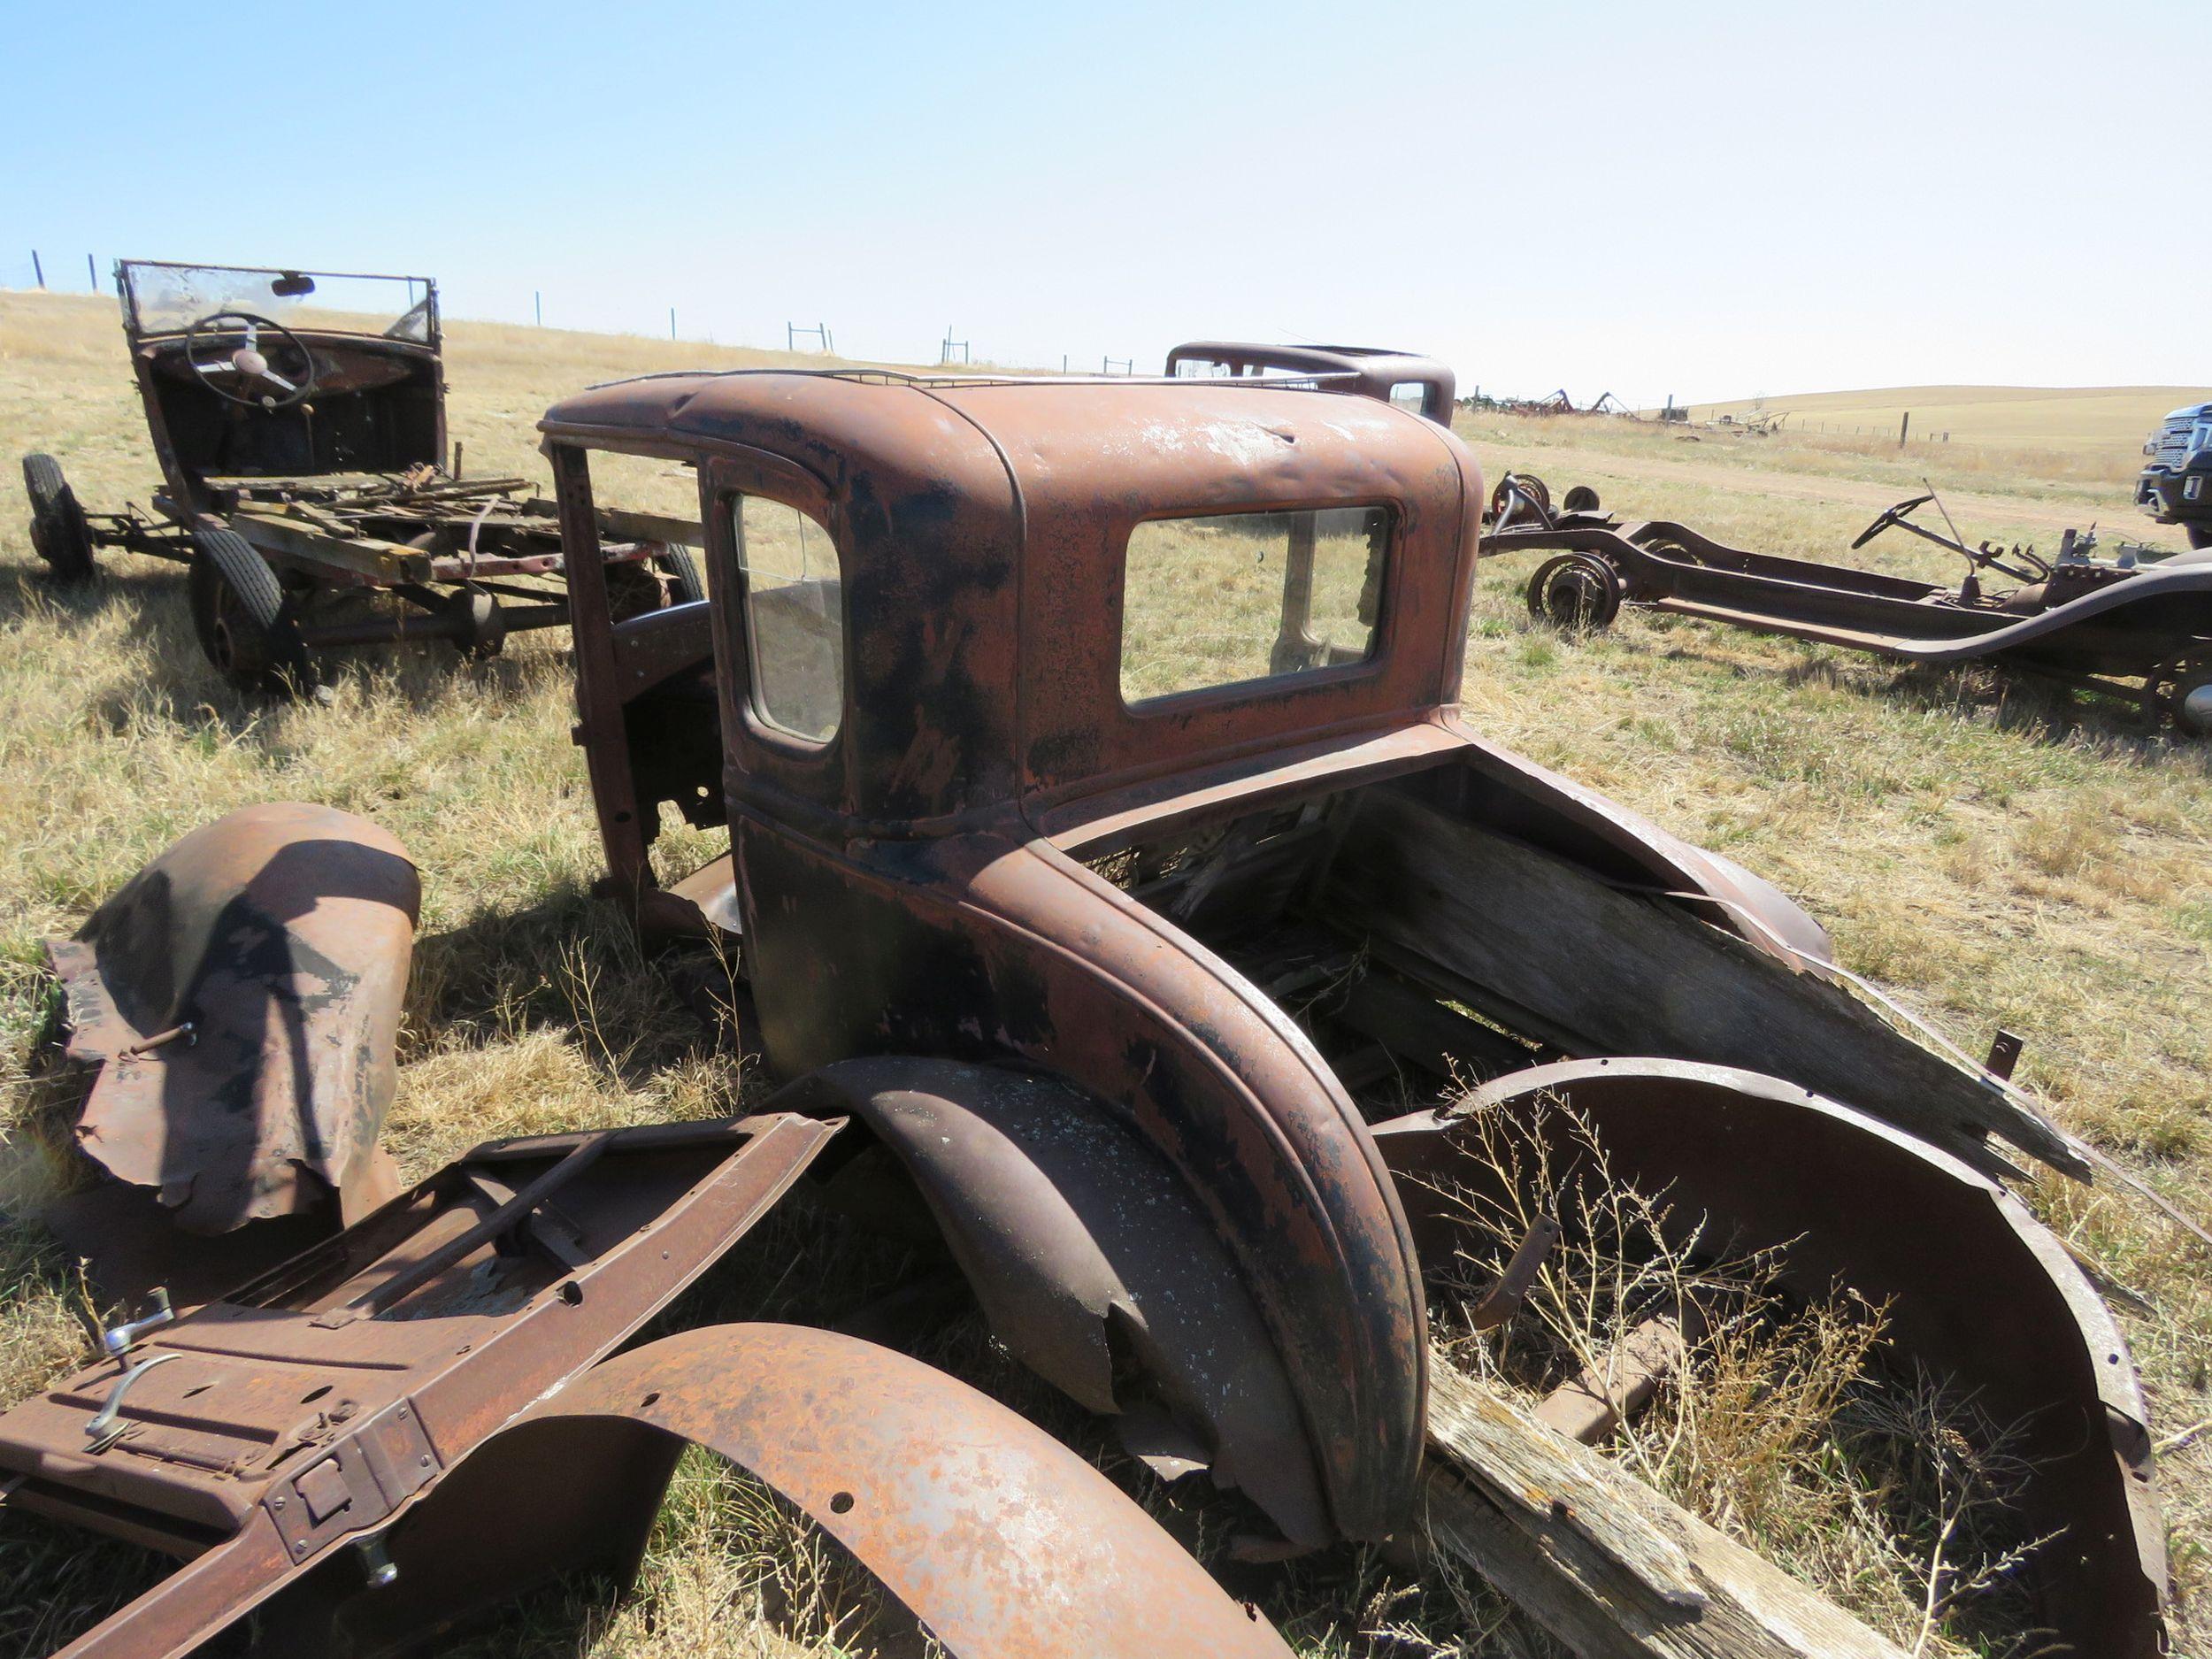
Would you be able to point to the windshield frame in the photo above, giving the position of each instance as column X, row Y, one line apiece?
column 135, row 325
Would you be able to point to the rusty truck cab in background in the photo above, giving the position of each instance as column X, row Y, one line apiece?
column 1404, row 378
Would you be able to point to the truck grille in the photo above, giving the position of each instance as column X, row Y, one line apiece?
column 2173, row 444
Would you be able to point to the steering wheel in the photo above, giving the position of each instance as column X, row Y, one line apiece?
column 248, row 365
column 1889, row 516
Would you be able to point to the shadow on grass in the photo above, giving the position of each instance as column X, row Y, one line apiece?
column 570, row 962
column 2018, row 702
column 173, row 676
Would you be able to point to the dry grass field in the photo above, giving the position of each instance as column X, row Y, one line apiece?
column 1994, row 854
column 2108, row 419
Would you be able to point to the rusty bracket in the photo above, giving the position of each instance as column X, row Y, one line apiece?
column 356, row 1483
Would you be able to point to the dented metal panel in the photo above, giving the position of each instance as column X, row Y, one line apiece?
column 241, row 996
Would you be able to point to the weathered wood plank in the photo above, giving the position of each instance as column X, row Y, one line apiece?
column 1599, row 1560
column 1628, row 973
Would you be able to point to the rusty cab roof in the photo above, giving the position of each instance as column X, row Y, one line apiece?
column 981, row 525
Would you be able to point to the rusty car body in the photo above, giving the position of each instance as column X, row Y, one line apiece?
column 2135, row 628
column 298, row 419
column 1140, row 976
column 1120, row 904
column 1407, row 379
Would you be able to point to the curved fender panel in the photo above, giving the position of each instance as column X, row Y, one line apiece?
column 280, row 935
column 990, row 948
column 997, row 1538
column 1067, row 1225
column 1975, row 1287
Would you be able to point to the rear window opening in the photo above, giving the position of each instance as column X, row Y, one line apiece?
column 1227, row 598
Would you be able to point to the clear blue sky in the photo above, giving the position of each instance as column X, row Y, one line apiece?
column 1710, row 200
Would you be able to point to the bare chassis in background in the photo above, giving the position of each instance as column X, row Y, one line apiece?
column 2132, row 628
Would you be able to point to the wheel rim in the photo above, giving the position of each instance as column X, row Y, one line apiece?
column 222, row 636
column 1573, row 599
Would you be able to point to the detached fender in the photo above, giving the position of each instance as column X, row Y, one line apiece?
column 242, row 995
column 999, row 1540
column 1974, row 1286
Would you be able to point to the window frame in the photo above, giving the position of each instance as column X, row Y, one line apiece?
column 1369, row 665
column 762, row 726
column 723, row 478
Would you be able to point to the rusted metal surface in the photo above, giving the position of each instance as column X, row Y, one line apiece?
column 2140, row 630
column 241, row 996
column 1405, row 377
column 308, row 1407
column 1972, row 1285
column 1121, row 1293
column 997, row 1540
column 927, row 886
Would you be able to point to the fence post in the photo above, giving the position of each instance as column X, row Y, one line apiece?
column 92, row 273
column 671, row 322
column 1904, row 426
column 38, row 270
column 537, row 305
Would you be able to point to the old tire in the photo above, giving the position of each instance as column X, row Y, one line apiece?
column 59, row 535
column 244, row 623
column 687, row 584
column 671, row 577
column 1576, row 593
column 1581, row 498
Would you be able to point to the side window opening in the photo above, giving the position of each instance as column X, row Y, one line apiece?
column 794, row 618
column 1229, row 597
column 1410, row 394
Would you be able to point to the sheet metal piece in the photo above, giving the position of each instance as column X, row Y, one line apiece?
column 1000, row 1540
column 315, row 1404
column 241, row 996
column 1097, row 1267
column 1974, row 1286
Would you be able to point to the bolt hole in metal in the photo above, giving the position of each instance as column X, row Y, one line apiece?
column 573, row 1293
column 313, row 1394
column 840, row 1503
column 652, row 1399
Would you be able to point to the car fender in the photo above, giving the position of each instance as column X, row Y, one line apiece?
column 985, row 949
column 1974, row 1286
column 241, row 996
column 1096, row 1266
column 999, row 1540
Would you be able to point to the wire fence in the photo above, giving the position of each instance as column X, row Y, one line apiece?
column 57, row 274
column 36, row 269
